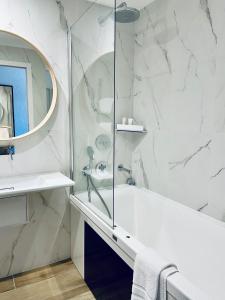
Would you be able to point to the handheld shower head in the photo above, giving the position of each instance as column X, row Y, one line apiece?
column 90, row 153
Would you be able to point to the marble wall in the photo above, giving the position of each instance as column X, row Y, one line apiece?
column 47, row 237
column 170, row 76
column 124, row 62
column 93, row 89
column 93, row 86
column 179, row 93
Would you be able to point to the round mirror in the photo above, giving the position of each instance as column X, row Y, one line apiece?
column 28, row 89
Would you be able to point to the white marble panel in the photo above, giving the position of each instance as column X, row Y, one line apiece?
column 46, row 238
column 179, row 97
column 42, row 241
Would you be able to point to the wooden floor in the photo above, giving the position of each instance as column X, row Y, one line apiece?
column 60, row 281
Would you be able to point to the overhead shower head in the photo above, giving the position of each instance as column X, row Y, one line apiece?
column 125, row 14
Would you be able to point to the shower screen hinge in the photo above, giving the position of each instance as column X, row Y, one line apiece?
column 114, row 237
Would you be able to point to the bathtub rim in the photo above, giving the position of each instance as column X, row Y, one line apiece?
column 177, row 285
column 171, row 202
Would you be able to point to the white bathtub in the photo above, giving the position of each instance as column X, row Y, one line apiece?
column 193, row 241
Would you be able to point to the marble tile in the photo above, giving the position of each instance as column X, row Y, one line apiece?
column 29, row 246
column 93, row 87
column 93, row 81
column 179, row 97
column 170, row 78
column 46, row 238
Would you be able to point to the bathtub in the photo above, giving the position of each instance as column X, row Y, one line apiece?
column 193, row 241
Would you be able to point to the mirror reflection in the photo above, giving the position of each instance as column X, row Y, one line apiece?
column 25, row 86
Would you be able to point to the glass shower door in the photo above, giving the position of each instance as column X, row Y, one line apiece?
column 92, row 64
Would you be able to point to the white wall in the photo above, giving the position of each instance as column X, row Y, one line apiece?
column 47, row 237
column 179, row 95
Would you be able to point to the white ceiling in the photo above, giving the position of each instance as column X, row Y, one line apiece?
column 139, row 4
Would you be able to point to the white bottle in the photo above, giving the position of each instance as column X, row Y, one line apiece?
column 130, row 121
column 124, row 120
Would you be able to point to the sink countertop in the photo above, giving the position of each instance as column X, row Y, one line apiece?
column 33, row 182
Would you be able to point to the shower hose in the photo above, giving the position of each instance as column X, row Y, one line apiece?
column 90, row 181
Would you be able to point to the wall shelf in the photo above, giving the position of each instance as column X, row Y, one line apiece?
column 132, row 131
column 130, row 128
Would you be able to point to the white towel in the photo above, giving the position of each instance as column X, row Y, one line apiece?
column 147, row 270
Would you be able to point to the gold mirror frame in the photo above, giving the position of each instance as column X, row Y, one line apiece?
column 54, row 94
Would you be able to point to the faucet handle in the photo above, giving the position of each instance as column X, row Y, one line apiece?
column 102, row 165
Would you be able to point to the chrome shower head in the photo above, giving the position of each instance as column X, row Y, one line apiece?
column 125, row 14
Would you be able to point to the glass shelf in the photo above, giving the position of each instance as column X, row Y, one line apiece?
column 132, row 131
column 130, row 128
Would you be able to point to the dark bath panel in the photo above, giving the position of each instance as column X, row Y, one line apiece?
column 106, row 274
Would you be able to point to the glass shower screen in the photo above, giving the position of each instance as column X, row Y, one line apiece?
column 92, row 64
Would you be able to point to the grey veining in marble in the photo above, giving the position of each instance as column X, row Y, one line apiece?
column 178, row 96
column 45, row 238
column 187, row 159
column 205, row 6
column 170, row 77
column 93, row 89
column 63, row 19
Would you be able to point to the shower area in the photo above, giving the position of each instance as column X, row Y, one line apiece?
column 148, row 90
column 148, row 110
column 102, row 54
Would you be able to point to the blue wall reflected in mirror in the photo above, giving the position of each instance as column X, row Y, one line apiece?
column 26, row 87
column 16, row 110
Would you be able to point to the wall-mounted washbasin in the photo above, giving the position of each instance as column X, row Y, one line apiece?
column 34, row 182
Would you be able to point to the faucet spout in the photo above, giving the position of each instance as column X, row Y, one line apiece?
column 121, row 168
column 130, row 180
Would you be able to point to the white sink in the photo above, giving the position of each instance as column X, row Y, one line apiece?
column 33, row 182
